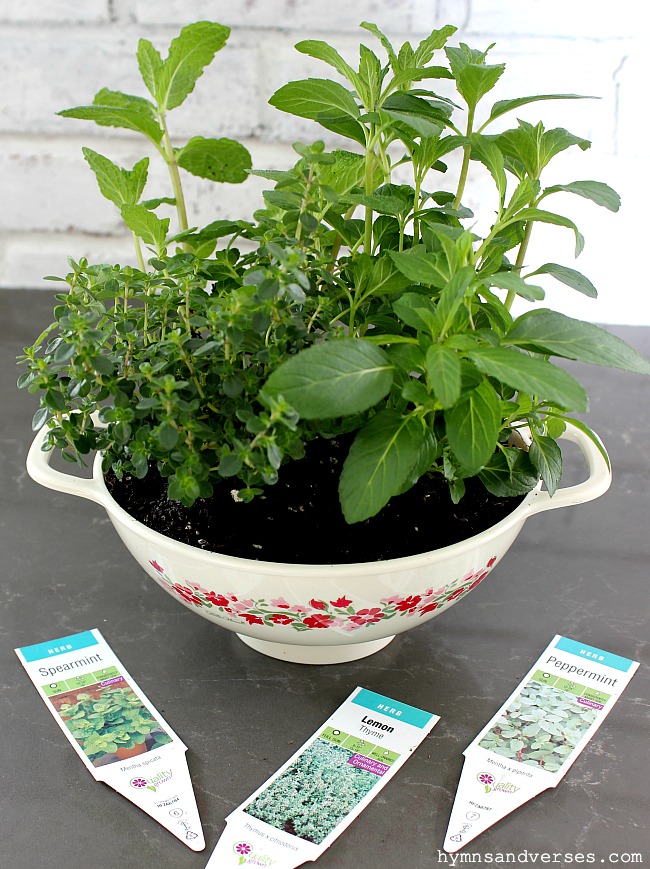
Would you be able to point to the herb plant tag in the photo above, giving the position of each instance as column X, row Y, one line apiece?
column 297, row 814
column 115, row 730
column 536, row 735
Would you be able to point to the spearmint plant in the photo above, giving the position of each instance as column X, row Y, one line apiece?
column 357, row 304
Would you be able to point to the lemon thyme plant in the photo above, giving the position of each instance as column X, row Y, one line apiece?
column 357, row 304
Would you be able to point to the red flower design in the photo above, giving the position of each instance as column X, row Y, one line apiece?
column 367, row 616
column 252, row 620
column 491, row 561
column 341, row 603
column 187, row 594
column 408, row 603
column 318, row 604
column 280, row 619
column 430, row 607
column 217, row 599
column 318, row 621
column 156, row 566
column 480, row 578
column 456, row 593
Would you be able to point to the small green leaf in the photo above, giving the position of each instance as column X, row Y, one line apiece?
column 221, row 160
column 121, row 186
column 548, row 331
column 189, row 53
column 150, row 65
column 596, row 191
column 416, row 311
column 444, row 374
column 322, row 51
column 391, row 205
column 549, row 217
column 503, row 106
column 474, row 78
column 451, row 298
column 317, row 99
column 490, row 155
column 531, row 376
column 513, row 282
column 119, row 110
column 568, row 276
column 546, row 456
column 473, row 427
column 144, row 223
column 381, row 460
column 333, row 379
column 420, row 266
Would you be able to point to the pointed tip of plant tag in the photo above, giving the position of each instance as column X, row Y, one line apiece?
column 163, row 789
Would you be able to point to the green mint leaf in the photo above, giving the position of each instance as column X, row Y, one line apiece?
column 596, row 191
column 150, row 64
column 549, row 217
column 490, row 155
column 380, row 462
column 144, row 223
column 512, row 282
column 119, row 110
column 322, row 51
column 333, row 379
column 420, row 266
column 392, row 57
column 451, row 298
column 531, row 376
column 216, row 159
column 474, row 78
column 417, row 312
column 570, row 277
column 317, row 99
column 546, row 456
column 503, row 106
column 121, row 186
column 417, row 114
column 509, row 472
column 473, row 427
column 189, row 53
column 436, row 40
column 545, row 331
column 444, row 374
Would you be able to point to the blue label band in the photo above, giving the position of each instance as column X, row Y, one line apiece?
column 58, row 647
column 596, row 656
column 392, row 708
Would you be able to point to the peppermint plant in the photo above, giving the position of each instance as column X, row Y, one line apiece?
column 362, row 301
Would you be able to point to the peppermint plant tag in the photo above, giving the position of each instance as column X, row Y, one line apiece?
column 297, row 814
column 536, row 736
column 117, row 733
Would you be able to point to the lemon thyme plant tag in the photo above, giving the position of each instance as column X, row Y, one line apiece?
column 536, row 735
column 115, row 730
column 297, row 814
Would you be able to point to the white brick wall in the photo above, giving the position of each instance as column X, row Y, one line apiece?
column 58, row 53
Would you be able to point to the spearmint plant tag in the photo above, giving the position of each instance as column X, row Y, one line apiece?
column 297, row 814
column 537, row 734
column 115, row 730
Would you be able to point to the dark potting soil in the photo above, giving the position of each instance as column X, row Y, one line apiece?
column 299, row 520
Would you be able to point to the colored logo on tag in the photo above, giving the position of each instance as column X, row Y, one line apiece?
column 487, row 780
column 246, row 856
column 153, row 783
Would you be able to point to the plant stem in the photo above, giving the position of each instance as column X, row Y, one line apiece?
column 521, row 253
column 172, row 165
column 467, row 150
column 138, row 253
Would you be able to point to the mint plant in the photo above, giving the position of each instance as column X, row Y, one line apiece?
column 357, row 303
column 114, row 719
column 540, row 728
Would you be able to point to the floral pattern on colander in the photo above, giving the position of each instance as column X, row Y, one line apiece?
column 341, row 613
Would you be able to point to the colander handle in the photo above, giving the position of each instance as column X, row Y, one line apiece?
column 598, row 482
column 38, row 468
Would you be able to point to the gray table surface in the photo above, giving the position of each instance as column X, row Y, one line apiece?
column 580, row 571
